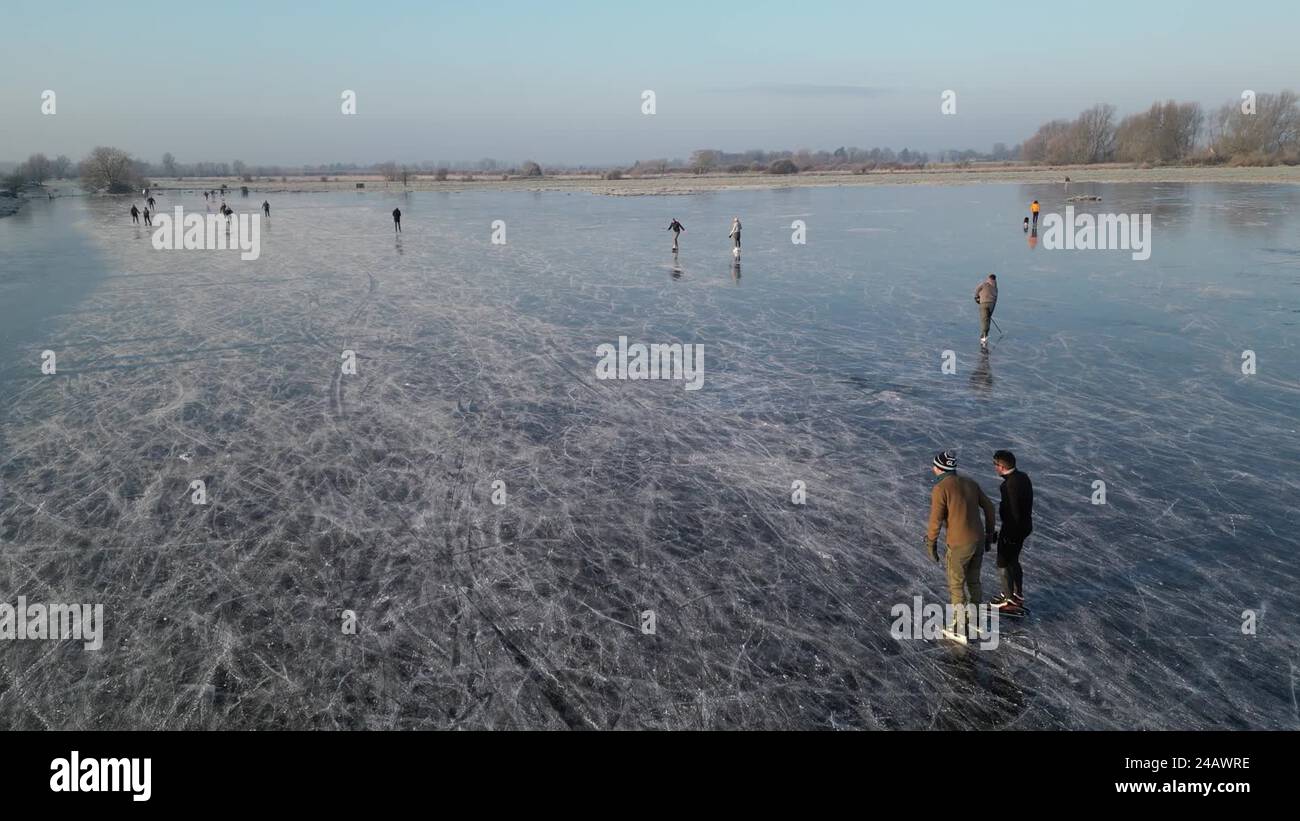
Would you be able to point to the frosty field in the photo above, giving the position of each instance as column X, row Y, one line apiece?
column 372, row 492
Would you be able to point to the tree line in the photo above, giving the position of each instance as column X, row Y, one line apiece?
column 37, row 169
column 1261, row 129
column 117, row 172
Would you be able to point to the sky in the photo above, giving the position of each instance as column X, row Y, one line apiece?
column 562, row 82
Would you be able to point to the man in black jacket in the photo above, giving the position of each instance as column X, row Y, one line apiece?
column 1016, row 510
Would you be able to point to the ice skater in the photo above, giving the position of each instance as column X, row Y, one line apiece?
column 266, row 208
column 397, row 220
column 152, row 204
column 205, row 196
column 148, row 220
column 677, row 228
column 1026, row 225
column 956, row 503
column 1033, row 210
column 735, row 236
column 1016, row 509
column 986, row 295
column 135, row 214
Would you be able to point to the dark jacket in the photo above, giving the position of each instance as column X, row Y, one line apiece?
column 1017, row 506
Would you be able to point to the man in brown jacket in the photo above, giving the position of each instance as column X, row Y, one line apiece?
column 955, row 503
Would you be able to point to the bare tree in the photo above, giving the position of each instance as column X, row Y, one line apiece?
column 109, row 169
column 169, row 164
column 1184, row 122
column 704, row 160
column 61, row 166
column 1271, row 131
column 1167, row 132
column 1094, row 135
column 1047, row 144
column 38, row 168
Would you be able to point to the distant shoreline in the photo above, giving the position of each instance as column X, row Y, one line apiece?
column 686, row 184
column 683, row 184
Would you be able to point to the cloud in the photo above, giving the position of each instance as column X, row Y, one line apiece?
column 803, row 90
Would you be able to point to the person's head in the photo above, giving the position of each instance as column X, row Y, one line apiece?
column 944, row 462
column 1004, row 462
column 1035, row 202
column 993, row 278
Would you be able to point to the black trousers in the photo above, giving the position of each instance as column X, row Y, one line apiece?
column 1013, row 577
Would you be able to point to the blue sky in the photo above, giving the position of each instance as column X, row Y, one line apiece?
column 562, row 81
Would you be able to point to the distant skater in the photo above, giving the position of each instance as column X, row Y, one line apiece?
column 135, row 215
column 735, row 236
column 266, row 208
column 1017, row 511
column 986, row 294
column 397, row 220
column 148, row 220
column 151, row 203
column 1026, row 225
column 205, row 198
column 1033, row 209
column 677, row 228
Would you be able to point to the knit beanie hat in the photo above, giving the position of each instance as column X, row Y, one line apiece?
column 947, row 460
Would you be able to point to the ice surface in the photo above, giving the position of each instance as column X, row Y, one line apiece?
column 372, row 492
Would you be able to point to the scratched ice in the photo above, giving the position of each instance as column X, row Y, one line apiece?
column 476, row 362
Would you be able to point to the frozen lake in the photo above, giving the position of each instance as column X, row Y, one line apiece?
column 372, row 492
